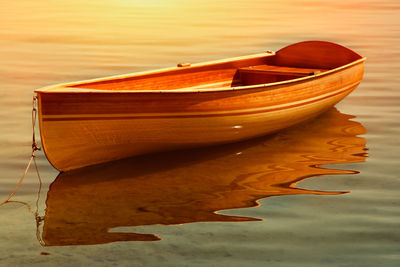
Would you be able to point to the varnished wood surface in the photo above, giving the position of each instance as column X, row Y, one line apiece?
column 314, row 54
column 279, row 70
column 85, row 127
column 177, row 78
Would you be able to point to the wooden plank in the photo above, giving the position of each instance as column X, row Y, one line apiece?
column 175, row 78
column 314, row 54
column 279, row 70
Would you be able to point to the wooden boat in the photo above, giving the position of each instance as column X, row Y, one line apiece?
column 94, row 121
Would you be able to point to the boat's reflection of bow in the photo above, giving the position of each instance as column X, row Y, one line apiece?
column 190, row 186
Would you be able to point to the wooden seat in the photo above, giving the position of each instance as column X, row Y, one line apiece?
column 262, row 74
column 278, row 70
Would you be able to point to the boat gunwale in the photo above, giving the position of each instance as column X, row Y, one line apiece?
column 67, row 87
column 146, row 72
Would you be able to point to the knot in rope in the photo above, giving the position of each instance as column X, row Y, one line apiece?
column 35, row 146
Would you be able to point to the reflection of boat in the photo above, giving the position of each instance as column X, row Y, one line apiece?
column 90, row 122
column 190, row 186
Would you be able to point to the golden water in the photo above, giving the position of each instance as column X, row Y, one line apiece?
column 193, row 202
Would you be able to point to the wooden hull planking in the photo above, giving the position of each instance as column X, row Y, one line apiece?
column 95, row 126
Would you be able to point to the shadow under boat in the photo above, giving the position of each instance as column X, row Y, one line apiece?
column 191, row 185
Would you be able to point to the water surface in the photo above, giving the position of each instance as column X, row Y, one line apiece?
column 273, row 201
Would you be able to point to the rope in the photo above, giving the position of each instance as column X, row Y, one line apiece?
column 34, row 148
column 38, row 219
column 19, row 182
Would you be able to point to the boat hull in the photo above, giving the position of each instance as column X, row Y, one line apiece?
column 88, row 128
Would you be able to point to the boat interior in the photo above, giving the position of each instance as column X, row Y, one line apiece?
column 193, row 78
column 190, row 78
column 292, row 62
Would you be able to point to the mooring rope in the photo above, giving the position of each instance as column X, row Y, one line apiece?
column 39, row 219
column 34, row 148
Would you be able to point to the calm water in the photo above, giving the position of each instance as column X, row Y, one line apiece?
column 273, row 201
